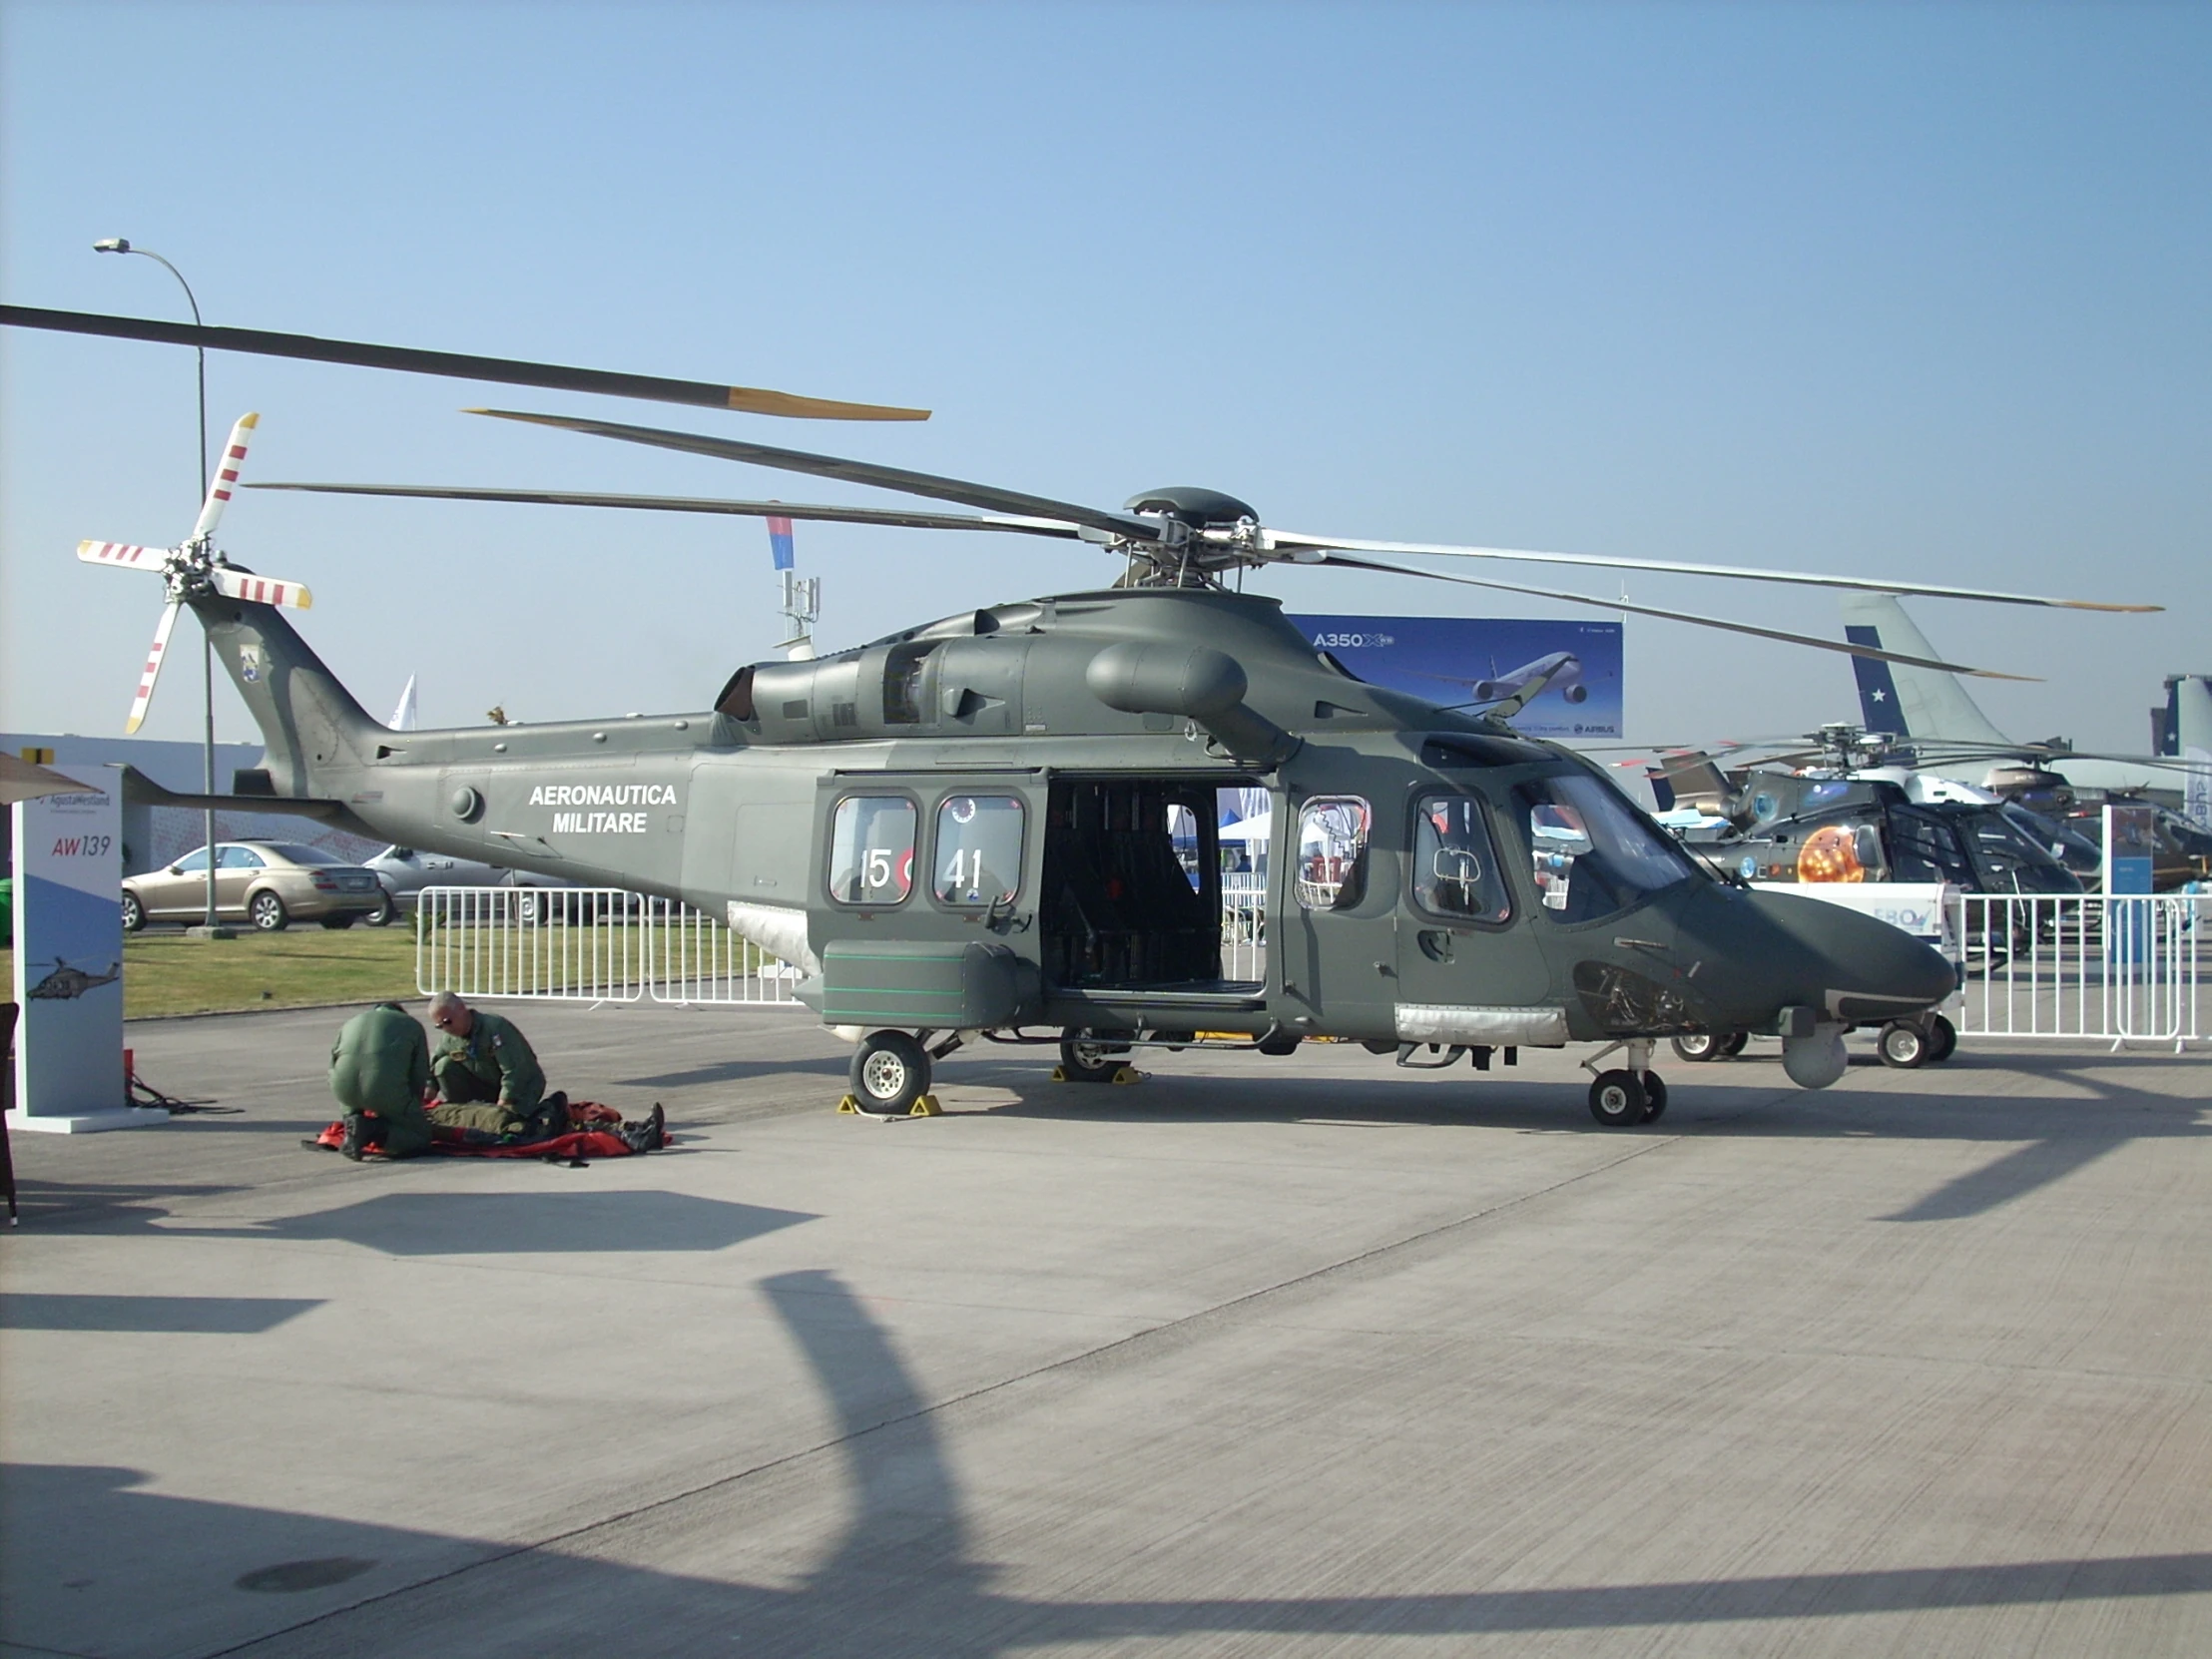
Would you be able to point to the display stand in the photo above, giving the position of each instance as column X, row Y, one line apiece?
column 69, row 964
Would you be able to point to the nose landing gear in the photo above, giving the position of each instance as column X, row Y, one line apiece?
column 1626, row 1096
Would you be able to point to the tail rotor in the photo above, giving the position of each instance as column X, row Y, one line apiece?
column 195, row 569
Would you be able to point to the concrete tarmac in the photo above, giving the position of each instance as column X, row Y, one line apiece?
column 1267, row 1357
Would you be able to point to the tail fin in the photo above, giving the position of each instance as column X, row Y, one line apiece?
column 1900, row 699
column 2192, row 735
column 315, row 734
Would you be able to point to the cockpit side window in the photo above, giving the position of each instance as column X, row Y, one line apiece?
column 1332, row 872
column 1922, row 848
column 1455, row 872
column 1591, row 854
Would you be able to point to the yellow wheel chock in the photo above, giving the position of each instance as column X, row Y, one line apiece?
column 926, row 1107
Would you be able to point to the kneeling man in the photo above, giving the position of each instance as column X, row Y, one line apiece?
column 487, row 1075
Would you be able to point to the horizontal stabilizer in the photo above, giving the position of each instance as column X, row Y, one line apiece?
column 137, row 790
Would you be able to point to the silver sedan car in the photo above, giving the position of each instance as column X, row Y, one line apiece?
column 268, row 884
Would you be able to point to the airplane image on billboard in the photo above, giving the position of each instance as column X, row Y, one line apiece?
column 1481, row 659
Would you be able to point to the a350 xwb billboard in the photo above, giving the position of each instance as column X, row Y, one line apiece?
column 1482, row 659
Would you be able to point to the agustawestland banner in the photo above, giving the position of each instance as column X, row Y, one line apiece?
column 69, row 953
column 1482, row 660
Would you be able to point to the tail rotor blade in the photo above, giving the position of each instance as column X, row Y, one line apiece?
column 226, row 477
column 122, row 554
column 260, row 590
column 153, row 668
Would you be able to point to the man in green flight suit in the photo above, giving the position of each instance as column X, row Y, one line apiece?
column 487, row 1074
column 380, row 1070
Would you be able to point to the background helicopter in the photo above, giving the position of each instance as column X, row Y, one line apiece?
column 968, row 828
column 1845, row 808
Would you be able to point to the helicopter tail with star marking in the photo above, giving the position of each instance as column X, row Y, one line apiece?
column 1913, row 704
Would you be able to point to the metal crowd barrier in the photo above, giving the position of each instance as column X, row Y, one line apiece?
column 587, row 944
column 2115, row 968
column 603, row 944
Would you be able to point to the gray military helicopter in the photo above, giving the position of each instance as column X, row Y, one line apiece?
column 967, row 831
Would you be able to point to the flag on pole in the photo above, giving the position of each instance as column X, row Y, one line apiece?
column 780, row 540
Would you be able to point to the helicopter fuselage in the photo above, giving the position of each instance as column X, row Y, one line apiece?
column 1007, row 819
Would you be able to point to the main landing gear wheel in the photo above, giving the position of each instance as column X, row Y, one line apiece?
column 1905, row 1046
column 891, row 1071
column 1735, row 1044
column 1655, row 1096
column 1942, row 1040
column 1085, row 1059
column 1700, row 1045
column 1617, row 1099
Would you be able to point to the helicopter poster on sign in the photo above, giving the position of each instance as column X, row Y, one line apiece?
column 1477, row 660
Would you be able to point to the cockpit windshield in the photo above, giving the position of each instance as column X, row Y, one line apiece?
column 1592, row 853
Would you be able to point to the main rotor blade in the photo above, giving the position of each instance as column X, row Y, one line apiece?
column 1871, row 584
column 927, row 484
column 1674, row 616
column 225, row 475
column 454, row 364
column 153, row 667
column 702, row 504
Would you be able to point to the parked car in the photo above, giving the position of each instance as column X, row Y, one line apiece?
column 268, row 884
column 404, row 873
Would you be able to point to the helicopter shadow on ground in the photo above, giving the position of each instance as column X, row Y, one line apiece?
column 509, row 1223
column 738, row 1071
column 212, row 1316
column 2045, row 1138
column 898, row 1580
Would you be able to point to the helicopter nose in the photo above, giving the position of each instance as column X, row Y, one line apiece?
column 1788, row 949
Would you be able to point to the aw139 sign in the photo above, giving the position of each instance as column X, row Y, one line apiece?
column 68, row 959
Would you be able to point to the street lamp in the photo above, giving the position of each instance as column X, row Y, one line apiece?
column 209, row 928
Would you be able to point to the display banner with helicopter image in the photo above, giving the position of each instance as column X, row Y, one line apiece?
column 69, row 962
column 1477, row 660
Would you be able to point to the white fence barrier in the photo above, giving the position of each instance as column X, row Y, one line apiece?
column 602, row 944
column 2116, row 968
column 587, row 944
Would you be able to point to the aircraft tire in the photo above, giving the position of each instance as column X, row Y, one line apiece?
column 891, row 1071
column 1617, row 1099
column 1943, row 1037
column 1905, row 1046
column 1700, row 1045
column 1655, row 1096
column 1735, row 1044
column 1087, row 1058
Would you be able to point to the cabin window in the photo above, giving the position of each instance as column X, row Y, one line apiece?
column 1455, row 872
column 1593, row 854
column 1333, row 834
column 871, row 850
column 978, row 849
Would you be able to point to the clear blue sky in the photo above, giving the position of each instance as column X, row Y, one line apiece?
column 1916, row 289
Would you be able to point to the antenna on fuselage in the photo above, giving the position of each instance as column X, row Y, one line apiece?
column 802, row 595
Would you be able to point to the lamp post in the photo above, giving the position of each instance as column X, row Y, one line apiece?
column 209, row 928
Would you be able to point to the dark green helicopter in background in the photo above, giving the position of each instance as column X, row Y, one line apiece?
column 969, row 829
